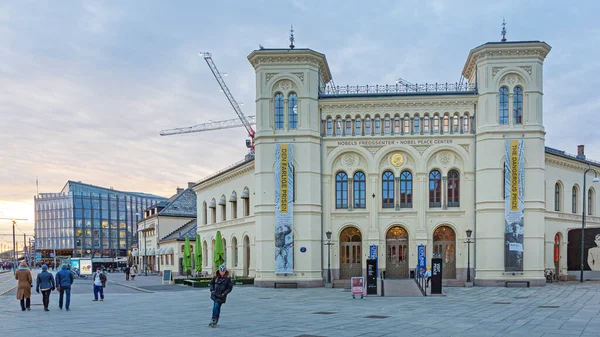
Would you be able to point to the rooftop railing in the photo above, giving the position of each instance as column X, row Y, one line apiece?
column 391, row 89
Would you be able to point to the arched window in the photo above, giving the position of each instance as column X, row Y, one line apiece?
column 358, row 126
column 360, row 190
column 465, row 124
column 416, row 125
column 341, row 190
column 329, row 126
column 503, row 106
column 338, row 126
column 397, row 125
column 426, row 125
column 204, row 213
column 348, row 126
column 436, row 124
column 293, row 111
column 279, row 118
column 574, row 200
column 518, row 106
column 368, row 126
column 406, row 125
column 377, row 125
column 234, row 248
column 387, row 189
column 557, row 197
column 446, row 127
column 591, row 198
column 455, row 124
column 453, row 188
column 387, row 125
column 246, row 201
column 435, row 189
column 406, row 189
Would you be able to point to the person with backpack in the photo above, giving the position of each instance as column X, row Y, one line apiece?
column 127, row 270
column 45, row 282
column 133, row 272
column 99, row 284
column 64, row 280
column 220, row 286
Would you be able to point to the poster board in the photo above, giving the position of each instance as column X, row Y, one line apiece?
column 358, row 286
column 167, row 277
column 85, row 267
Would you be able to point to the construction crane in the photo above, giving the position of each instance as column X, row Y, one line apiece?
column 227, row 124
column 14, row 223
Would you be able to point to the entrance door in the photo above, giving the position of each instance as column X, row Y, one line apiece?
column 444, row 243
column 350, row 253
column 397, row 253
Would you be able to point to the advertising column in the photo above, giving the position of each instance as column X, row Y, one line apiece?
column 284, row 209
column 514, row 215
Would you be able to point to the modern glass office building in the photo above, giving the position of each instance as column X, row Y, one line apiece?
column 89, row 221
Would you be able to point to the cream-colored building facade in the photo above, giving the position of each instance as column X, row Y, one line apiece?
column 396, row 166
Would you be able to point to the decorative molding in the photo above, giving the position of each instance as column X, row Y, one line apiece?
column 565, row 164
column 329, row 149
column 373, row 149
column 511, row 79
column 526, row 68
column 466, row 147
column 268, row 76
column 226, row 177
column 445, row 158
column 495, row 70
column 350, row 160
column 538, row 52
column 442, row 105
column 286, row 85
column 312, row 60
column 301, row 76
column 421, row 148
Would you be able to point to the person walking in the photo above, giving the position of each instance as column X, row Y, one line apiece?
column 427, row 276
column 220, row 286
column 133, row 272
column 99, row 284
column 23, row 275
column 127, row 270
column 64, row 280
column 45, row 283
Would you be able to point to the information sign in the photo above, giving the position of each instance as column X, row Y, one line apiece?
column 358, row 286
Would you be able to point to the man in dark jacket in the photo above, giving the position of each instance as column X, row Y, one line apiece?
column 45, row 282
column 220, row 286
column 64, row 280
column 127, row 271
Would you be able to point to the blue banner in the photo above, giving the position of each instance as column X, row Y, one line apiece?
column 422, row 260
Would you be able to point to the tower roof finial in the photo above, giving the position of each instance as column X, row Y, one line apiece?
column 292, row 37
column 503, row 30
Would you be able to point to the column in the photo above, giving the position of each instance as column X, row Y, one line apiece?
column 397, row 192
column 444, row 191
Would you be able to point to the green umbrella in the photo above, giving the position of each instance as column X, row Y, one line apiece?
column 187, row 257
column 198, row 254
column 219, row 256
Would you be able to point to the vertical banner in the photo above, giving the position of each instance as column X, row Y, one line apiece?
column 284, row 209
column 422, row 261
column 514, row 215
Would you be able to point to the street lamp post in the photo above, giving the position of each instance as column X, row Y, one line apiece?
column 468, row 242
column 328, row 244
column 595, row 180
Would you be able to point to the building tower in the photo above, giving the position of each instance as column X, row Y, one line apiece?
column 287, row 114
column 509, row 77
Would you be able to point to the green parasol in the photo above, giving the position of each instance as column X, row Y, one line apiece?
column 198, row 254
column 187, row 257
column 219, row 256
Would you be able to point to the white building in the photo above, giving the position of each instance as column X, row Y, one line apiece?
column 400, row 166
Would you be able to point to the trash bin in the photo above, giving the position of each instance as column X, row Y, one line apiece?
column 412, row 273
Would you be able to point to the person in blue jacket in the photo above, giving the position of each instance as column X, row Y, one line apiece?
column 64, row 280
column 45, row 282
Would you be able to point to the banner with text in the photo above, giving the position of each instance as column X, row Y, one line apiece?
column 284, row 209
column 514, row 215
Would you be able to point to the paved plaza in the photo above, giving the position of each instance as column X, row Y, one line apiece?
column 146, row 308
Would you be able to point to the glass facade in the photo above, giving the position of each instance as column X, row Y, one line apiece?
column 89, row 221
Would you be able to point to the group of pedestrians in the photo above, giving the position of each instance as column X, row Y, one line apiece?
column 46, row 283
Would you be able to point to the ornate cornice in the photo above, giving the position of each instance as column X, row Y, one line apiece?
column 566, row 164
column 226, row 177
column 394, row 105
column 534, row 49
column 296, row 56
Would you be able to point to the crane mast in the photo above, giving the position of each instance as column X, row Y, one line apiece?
column 232, row 101
column 217, row 125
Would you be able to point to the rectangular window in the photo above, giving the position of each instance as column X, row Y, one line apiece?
column 234, row 209
column 387, row 126
column 416, row 125
column 426, row 125
column 348, row 127
column 446, row 124
column 436, row 125
column 406, row 126
column 358, row 127
column 377, row 126
column 329, row 127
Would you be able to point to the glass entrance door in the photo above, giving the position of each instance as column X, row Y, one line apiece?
column 396, row 253
column 350, row 253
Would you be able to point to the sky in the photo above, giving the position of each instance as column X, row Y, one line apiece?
column 86, row 86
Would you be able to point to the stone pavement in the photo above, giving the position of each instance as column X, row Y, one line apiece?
column 564, row 309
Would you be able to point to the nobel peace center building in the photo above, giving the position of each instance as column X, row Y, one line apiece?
column 398, row 166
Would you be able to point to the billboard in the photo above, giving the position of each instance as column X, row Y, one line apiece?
column 514, row 214
column 284, row 209
column 591, row 249
column 74, row 264
column 85, row 267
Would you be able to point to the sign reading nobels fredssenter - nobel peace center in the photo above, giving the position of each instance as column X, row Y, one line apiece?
column 284, row 209
column 514, row 215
